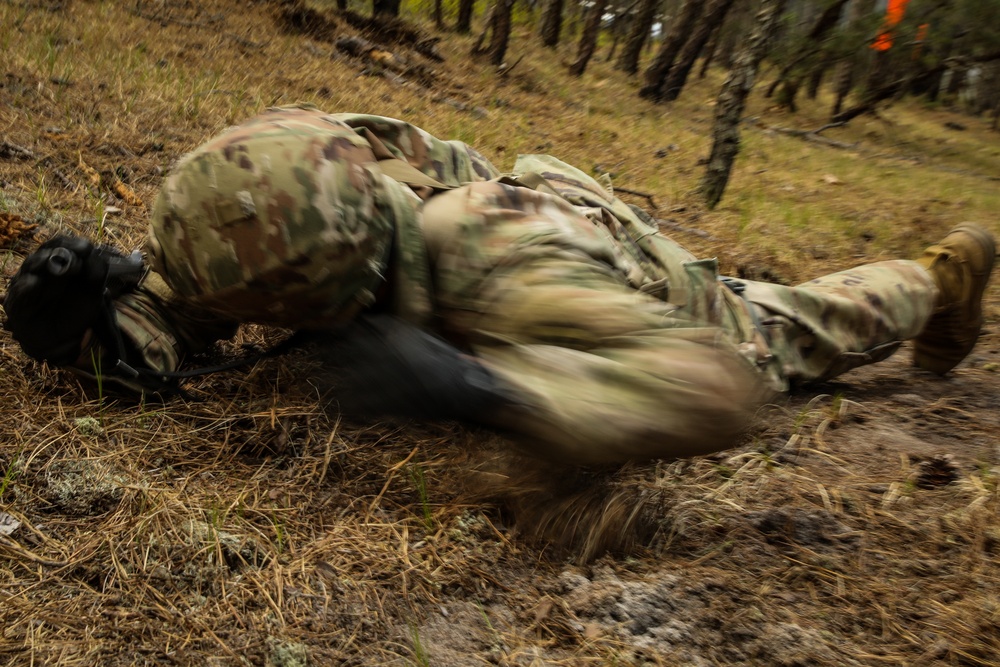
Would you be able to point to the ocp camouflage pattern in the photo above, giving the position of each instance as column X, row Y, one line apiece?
column 620, row 343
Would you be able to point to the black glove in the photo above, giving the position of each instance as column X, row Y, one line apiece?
column 63, row 289
column 383, row 366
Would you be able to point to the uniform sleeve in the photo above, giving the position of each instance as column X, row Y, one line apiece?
column 600, row 372
column 157, row 332
column 451, row 162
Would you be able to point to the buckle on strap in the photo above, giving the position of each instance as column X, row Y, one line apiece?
column 736, row 286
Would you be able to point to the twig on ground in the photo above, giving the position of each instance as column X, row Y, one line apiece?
column 21, row 552
column 811, row 135
column 504, row 69
column 8, row 149
column 637, row 193
column 829, row 126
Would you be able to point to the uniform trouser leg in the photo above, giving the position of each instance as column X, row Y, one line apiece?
column 599, row 372
column 825, row 327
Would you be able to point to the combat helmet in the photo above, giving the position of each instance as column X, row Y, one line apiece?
column 283, row 221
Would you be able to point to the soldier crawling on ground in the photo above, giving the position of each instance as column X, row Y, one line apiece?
column 535, row 302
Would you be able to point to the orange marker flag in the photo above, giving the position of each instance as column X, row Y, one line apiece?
column 893, row 15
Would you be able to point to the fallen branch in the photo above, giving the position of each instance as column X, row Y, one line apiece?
column 828, row 126
column 637, row 193
column 7, row 149
column 504, row 69
column 811, row 135
column 358, row 47
column 395, row 30
column 896, row 87
column 20, row 552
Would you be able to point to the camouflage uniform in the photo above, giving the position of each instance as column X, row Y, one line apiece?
column 618, row 343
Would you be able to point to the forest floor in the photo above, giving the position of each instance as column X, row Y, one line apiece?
column 856, row 524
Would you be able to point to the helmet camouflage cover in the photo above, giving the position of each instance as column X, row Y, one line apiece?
column 283, row 220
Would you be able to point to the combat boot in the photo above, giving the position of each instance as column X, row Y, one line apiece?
column 960, row 265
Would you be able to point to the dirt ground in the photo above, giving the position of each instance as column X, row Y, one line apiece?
column 247, row 523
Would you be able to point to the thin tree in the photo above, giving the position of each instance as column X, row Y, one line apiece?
column 893, row 89
column 385, row 7
column 642, row 25
column 463, row 23
column 713, row 44
column 681, row 25
column 551, row 23
column 732, row 100
column 674, row 82
column 588, row 37
column 725, row 53
column 816, row 78
column 809, row 51
column 619, row 23
column 843, row 78
column 438, row 15
column 501, row 31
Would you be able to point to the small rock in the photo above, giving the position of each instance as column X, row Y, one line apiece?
column 8, row 524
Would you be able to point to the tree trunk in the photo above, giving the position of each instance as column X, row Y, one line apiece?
column 616, row 32
column 687, row 15
column 816, row 80
column 464, row 22
column 628, row 60
column 957, row 80
column 791, row 76
column 732, row 100
column 385, row 7
column 715, row 14
column 878, row 73
column 713, row 44
column 438, row 15
column 726, row 53
column 891, row 89
column 501, row 31
column 478, row 48
column 843, row 79
column 588, row 38
column 620, row 24
column 551, row 23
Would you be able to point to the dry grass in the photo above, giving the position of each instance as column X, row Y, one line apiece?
column 252, row 526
